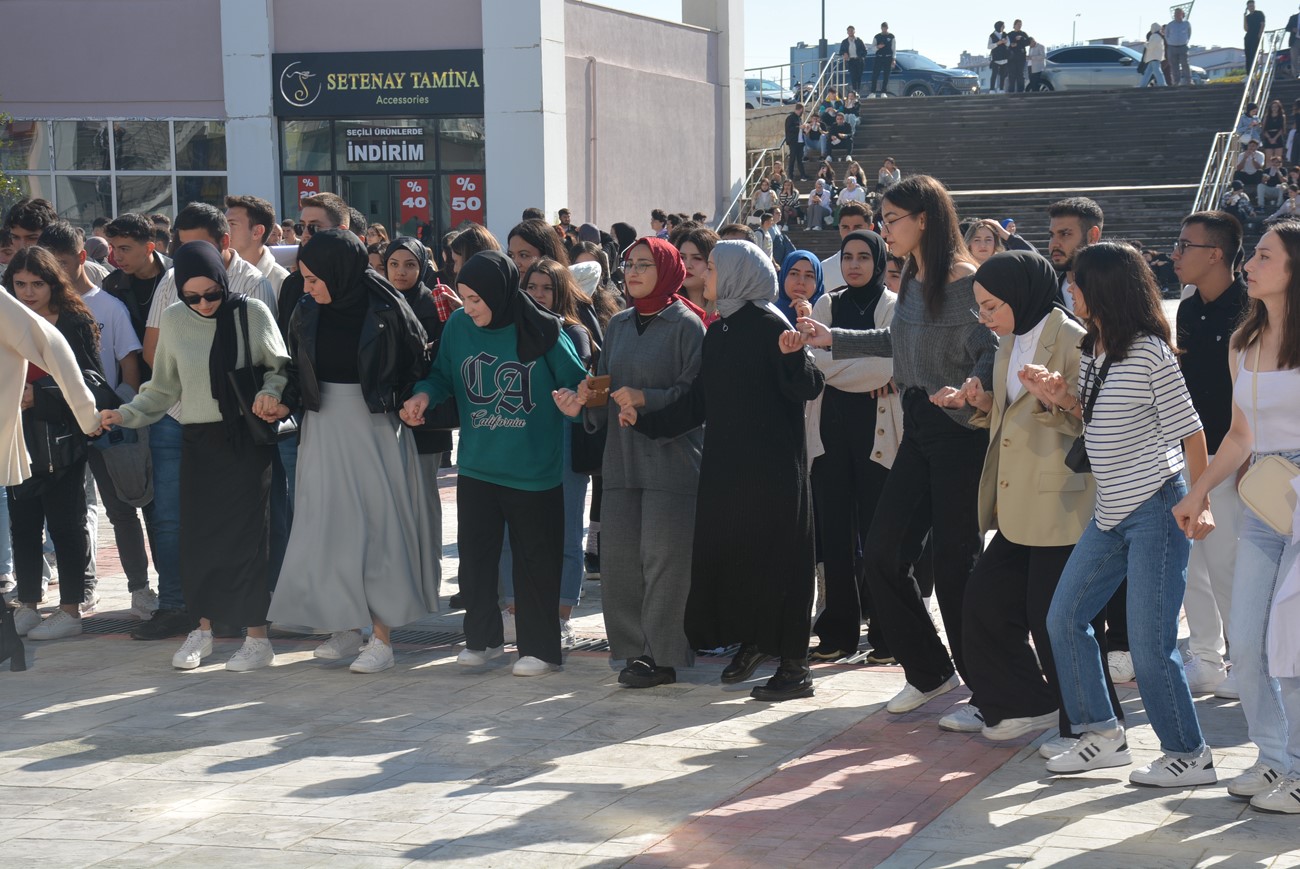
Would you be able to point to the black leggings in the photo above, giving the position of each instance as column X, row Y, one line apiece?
column 61, row 506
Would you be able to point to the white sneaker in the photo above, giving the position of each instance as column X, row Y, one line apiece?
column 341, row 644
column 1010, row 728
column 143, row 603
column 26, row 618
column 508, row 626
column 911, row 697
column 527, row 665
column 1227, row 689
column 255, row 654
column 197, row 646
column 1056, row 745
column 90, row 604
column 1177, row 772
column 56, row 627
column 568, row 639
column 477, row 658
column 965, row 719
column 8, row 583
column 1120, row 665
column 1284, row 799
column 1259, row 779
column 1093, row 751
column 374, row 658
column 1204, row 677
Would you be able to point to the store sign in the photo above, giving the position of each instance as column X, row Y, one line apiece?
column 415, row 201
column 466, row 199
column 378, row 83
column 308, row 185
column 385, row 145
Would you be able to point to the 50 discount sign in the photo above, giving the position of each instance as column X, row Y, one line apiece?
column 415, row 200
column 466, row 199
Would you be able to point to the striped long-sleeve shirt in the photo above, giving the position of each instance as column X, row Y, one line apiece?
column 1142, row 414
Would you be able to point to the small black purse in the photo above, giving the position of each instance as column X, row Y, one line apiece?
column 1077, row 458
column 246, row 382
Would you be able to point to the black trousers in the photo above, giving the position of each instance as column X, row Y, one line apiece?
column 536, row 521
column 883, row 63
column 1252, row 49
column 795, row 161
column 1016, row 76
column 60, row 506
column 855, row 73
column 940, row 461
column 1007, row 599
column 125, row 519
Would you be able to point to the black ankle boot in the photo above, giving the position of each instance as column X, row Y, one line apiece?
column 11, row 645
column 744, row 664
column 792, row 679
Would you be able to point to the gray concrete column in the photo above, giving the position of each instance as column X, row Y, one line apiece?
column 728, row 19
column 252, row 153
column 524, row 109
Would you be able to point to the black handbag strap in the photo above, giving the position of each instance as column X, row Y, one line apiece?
column 1093, row 387
column 243, row 326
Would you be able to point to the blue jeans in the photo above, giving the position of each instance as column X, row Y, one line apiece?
column 165, row 449
column 1271, row 706
column 575, row 498
column 1153, row 74
column 1149, row 548
column 6, row 542
column 284, row 470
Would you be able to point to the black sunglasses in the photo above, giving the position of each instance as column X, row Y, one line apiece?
column 298, row 228
column 209, row 296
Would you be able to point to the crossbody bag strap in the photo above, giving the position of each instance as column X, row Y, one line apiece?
column 1094, row 390
column 1254, row 404
column 243, row 324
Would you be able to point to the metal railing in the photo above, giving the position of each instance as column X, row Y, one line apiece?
column 757, row 171
column 1221, row 165
column 787, row 83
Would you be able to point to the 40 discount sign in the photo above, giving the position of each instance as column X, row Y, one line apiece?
column 466, row 199
column 415, row 199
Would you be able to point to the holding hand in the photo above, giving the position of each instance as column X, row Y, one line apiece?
column 269, row 408
column 627, row 417
column 1049, row 387
column 790, row 342
column 802, row 308
column 628, row 398
column 109, row 418
column 568, row 401
column 815, row 334
column 1193, row 516
column 412, row 412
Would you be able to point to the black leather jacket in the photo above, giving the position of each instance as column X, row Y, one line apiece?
column 391, row 355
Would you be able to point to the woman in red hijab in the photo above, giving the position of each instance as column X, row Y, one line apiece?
column 652, row 355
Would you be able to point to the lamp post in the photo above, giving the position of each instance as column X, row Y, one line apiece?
column 821, row 45
column 1074, row 29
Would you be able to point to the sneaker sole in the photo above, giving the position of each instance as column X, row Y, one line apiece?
column 759, row 694
column 955, row 728
column 529, row 673
column 1247, row 796
column 1272, row 811
column 1023, row 730
column 922, row 700
column 186, row 665
column 1119, row 758
column 645, row 682
column 369, row 670
column 1186, row 780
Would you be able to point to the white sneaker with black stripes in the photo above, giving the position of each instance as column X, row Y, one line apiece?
column 1093, row 750
column 1259, row 779
column 1177, row 772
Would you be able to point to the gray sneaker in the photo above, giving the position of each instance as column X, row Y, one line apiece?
column 143, row 603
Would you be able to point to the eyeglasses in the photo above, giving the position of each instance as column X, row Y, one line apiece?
column 637, row 268
column 1181, row 246
column 982, row 313
column 889, row 224
column 299, row 229
column 209, row 296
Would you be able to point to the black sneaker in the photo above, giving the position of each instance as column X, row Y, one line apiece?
column 165, row 623
column 456, row 601
column 644, row 673
column 743, row 665
column 591, row 560
column 791, row 681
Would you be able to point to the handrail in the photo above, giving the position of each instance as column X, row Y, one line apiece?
column 743, row 193
column 1220, row 163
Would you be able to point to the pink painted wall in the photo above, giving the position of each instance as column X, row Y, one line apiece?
column 377, row 25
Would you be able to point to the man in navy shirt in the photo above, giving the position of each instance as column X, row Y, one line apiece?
column 884, row 62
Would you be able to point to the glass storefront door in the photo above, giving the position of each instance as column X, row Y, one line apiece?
column 371, row 195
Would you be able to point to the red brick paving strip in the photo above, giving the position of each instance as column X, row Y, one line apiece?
column 851, row 802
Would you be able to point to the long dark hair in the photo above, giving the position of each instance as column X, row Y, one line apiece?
column 541, row 235
column 63, row 299
column 941, row 246
column 471, row 239
column 1122, row 296
column 566, row 294
column 1256, row 319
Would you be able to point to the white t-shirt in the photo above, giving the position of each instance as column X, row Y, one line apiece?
column 1022, row 353
column 832, row 275
column 853, row 194
column 1142, row 414
column 116, row 334
column 271, row 270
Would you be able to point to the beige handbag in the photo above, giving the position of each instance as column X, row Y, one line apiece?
column 1266, row 488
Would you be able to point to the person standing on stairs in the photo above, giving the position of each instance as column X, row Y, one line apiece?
column 883, row 61
column 1253, row 23
column 853, row 52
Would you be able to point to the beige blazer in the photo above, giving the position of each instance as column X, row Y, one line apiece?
column 24, row 337
column 1026, row 491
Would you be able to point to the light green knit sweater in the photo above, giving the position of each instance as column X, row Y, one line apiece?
column 181, row 365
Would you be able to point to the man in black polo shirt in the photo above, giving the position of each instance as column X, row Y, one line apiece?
column 1206, row 256
column 884, row 60
column 1018, row 47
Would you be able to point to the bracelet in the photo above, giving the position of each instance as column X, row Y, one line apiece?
column 1073, row 407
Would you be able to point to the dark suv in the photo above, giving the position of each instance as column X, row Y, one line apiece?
column 915, row 75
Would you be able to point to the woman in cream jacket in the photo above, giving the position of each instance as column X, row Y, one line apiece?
column 1037, row 506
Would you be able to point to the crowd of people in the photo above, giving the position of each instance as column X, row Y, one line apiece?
column 936, row 410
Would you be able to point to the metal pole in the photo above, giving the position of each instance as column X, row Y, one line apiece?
column 821, row 44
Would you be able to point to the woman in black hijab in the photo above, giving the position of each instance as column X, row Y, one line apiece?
column 212, row 333
column 1037, row 506
column 849, row 470
column 361, row 550
column 503, row 356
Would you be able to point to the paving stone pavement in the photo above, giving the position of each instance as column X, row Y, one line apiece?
column 109, row 757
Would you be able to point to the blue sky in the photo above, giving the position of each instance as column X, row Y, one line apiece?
column 941, row 29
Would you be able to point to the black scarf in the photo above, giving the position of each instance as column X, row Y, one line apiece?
column 421, row 254
column 494, row 277
column 865, row 297
column 199, row 259
column 1026, row 281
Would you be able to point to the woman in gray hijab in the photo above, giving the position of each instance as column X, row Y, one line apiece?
column 752, row 563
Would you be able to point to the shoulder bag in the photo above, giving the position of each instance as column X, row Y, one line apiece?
column 1266, row 488
column 1077, row 458
column 246, row 382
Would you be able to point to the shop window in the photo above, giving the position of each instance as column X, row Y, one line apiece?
column 145, row 194
column 81, row 146
column 200, row 146
column 24, row 147
column 142, row 145
column 82, row 198
column 201, row 188
column 28, row 187
column 305, row 146
column 385, row 146
column 461, row 143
